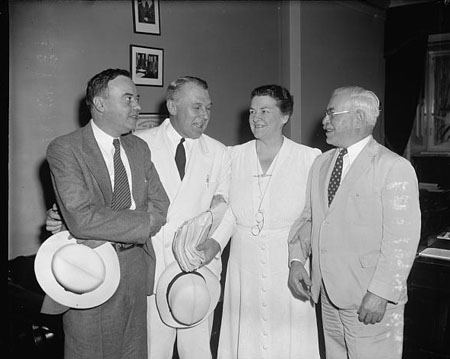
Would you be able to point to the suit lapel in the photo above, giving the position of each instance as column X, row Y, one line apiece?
column 94, row 160
column 358, row 167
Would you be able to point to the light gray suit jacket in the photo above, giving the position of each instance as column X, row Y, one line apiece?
column 367, row 239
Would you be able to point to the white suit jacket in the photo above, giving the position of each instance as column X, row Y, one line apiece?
column 207, row 174
column 367, row 239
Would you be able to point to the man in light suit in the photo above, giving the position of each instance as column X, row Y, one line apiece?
column 361, row 223
column 205, row 182
column 82, row 168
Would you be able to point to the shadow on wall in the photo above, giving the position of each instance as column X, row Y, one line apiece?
column 317, row 138
column 84, row 117
column 245, row 133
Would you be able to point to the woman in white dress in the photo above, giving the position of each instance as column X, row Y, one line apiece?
column 261, row 318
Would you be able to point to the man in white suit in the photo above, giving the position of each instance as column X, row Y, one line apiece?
column 361, row 224
column 205, row 180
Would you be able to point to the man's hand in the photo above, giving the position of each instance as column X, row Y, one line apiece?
column 53, row 222
column 210, row 248
column 372, row 309
column 299, row 281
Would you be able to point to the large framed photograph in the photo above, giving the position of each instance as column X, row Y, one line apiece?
column 146, row 17
column 149, row 120
column 147, row 65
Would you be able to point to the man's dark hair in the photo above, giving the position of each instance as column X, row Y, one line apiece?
column 98, row 85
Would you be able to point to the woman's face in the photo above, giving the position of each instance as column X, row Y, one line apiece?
column 266, row 119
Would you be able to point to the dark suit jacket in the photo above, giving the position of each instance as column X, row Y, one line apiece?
column 83, row 191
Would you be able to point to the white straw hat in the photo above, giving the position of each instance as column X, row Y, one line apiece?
column 185, row 299
column 76, row 275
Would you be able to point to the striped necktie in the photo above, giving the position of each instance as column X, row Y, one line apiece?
column 121, row 198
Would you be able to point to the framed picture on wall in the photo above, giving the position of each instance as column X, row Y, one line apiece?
column 147, row 65
column 146, row 17
column 149, row 120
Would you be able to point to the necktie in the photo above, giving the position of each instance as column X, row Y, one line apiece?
column 180, row 158
column 121, row 198
column 335, row 178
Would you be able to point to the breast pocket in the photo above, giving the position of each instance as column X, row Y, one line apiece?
column 361, row 208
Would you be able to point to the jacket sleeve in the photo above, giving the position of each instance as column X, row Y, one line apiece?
column 400, row 233
column 82, row 204
column 299, row 239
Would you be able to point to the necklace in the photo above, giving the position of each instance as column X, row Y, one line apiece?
column 259, row 215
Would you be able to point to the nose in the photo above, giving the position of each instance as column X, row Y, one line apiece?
column 326, row 120
column 136, row 105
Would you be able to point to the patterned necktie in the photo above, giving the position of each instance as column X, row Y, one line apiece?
column 180, row 158
column 335, row 178
column 121, row 198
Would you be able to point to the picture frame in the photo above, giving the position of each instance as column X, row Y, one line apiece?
column 149, row 120
column 146, row 18
column 147, row 65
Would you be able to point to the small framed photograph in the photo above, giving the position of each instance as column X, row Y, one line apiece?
column 149, row 120
column 146, row 17
column 147, row 65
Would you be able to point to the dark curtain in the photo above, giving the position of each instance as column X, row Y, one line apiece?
column 406, row 35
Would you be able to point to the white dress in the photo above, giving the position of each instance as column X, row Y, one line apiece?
column 261, row 318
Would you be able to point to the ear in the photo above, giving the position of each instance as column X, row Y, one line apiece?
column 360, row 119
column 171, row 107
column 285, row 119
column 99, row 103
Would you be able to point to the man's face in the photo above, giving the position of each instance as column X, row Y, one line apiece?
column 190, row 111
column 121, row 107
column 340, row 128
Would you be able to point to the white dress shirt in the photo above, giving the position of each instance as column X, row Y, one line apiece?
column 105, row 143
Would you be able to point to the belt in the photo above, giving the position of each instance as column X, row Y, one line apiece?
column 120, row 247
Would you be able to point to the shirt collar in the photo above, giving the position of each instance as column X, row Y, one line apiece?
column 104, row 140
column 175, row 137
column 355, row 149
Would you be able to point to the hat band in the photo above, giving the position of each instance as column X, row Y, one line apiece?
column 174, row 279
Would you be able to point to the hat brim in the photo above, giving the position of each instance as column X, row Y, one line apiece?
column 48, row 282
column 212, row 283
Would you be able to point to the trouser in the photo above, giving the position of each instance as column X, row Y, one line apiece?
column 192, row 343
column 348, row 338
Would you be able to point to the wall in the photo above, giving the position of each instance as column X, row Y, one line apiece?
column 56, row 46
column 341, row 44
column 310, row 47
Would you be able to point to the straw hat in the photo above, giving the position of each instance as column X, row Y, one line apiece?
column 76, row 275
column 185, row 299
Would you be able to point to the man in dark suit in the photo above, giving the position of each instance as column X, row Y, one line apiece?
column 84, row 168
column 361, row 221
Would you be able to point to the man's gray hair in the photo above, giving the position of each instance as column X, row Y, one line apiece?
column 174, row 86
column 362, row 99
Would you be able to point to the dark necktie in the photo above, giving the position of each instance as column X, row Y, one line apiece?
column 335, row 178
column 121, row 198
column 180, row 158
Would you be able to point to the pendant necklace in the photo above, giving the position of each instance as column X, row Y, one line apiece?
column 259, row 216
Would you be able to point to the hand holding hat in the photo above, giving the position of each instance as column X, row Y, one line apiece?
column 76, row 275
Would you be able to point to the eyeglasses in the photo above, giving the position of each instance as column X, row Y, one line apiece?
column 257, row 228
column 331, row 113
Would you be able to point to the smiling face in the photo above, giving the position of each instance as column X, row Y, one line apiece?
column 119, row 107
column 344, row 129
column 266, row 120
column 190, row 110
